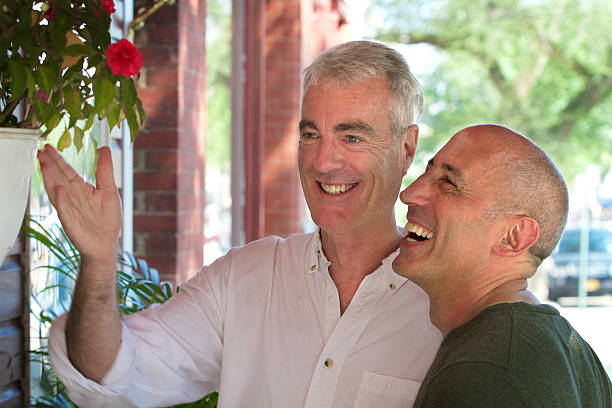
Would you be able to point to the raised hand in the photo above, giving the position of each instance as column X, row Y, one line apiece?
column 90, row 215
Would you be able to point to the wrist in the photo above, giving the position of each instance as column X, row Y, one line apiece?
column 102, row 255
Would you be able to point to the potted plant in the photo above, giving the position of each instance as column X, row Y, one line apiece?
column 58, row 69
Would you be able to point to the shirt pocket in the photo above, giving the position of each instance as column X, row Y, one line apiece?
column 383, row 391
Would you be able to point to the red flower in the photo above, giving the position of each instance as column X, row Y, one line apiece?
column 50, row 13
column 108, row 6
column 123, row 58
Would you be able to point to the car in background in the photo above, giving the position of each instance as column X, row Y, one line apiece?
column 563, row 276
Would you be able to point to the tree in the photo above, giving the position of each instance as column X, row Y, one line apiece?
column 218, row 70
column 543, row 68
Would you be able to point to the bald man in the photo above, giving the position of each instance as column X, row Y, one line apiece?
column 489, row 208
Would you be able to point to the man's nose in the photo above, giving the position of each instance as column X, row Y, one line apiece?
column 418, row 192
column 329, row 156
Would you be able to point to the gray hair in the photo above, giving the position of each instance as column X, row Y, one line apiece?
column 537, row 189
column 358, row 60
column 532, row 186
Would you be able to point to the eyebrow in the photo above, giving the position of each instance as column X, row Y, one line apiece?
column 308, row 124
column 447, row 167
column 355, row 125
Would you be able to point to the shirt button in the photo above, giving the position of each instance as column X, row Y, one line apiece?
column 392, row 286
column 329, row 363
column 313, row 267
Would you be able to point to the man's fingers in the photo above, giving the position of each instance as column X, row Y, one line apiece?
column 105, row 178
column 48, row 174
column 62, row 171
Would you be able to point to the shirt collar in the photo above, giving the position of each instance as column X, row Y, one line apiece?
column 317, row 259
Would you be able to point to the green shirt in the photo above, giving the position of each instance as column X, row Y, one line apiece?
column 515, row 355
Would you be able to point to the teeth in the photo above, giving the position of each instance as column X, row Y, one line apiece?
column 336, row 188
column 420, row 231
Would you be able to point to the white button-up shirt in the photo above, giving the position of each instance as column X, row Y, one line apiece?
column 262, row 325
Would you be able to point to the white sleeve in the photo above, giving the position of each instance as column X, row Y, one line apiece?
column 169, row 353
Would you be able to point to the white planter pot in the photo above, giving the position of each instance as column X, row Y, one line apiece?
column 17, row 157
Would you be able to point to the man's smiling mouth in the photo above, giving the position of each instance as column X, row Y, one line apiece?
column 335, row 189
column 415, row 232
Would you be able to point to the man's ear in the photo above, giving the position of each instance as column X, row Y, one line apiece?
column 410, row 138
column 521, row 235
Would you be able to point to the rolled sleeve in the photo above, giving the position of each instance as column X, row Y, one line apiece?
column 169, row 353
column 82, row 390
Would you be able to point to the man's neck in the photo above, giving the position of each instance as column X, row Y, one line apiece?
column 355, row 255
column 451, row 310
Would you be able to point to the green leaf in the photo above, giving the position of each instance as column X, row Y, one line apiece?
column 79, row 134
column 104, row 90
column 128, row 92
column 113, row 115
column 18, row 79
column 52, row 122
column 132, row 122
column 65, row 141
column 31, row 84
column 72, row 102
column 63, row 21
column 89, row 122
column 45, row 76
column 25, row 16
column 75, row 50
column 141, row 115
column 44, row 111
column 94, row 60
column 75, row 71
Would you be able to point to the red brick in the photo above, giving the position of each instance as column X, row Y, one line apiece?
column 155, row 181
column 159, row 56
column 155, row 223
column 160, row 202
column 161, row 244
column 155, row 98
column 166, row 15
column 161, row 118
column 166, row 34
column 164, row 76
column 161, row 160
column 157, row 138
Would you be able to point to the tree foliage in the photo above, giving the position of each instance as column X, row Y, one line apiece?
column 540, row 67
column 218, row 70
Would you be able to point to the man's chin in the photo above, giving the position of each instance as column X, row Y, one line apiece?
column 335, row 223
column 403, row 266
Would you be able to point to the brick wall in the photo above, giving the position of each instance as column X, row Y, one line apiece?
column 169, row 153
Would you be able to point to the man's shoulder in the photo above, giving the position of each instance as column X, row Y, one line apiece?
column 274, row 243
column 501, row 333
column 266, row 252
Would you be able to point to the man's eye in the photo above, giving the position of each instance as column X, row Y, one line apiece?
column 448, row 180
column 352, row 139
column 308, row 135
